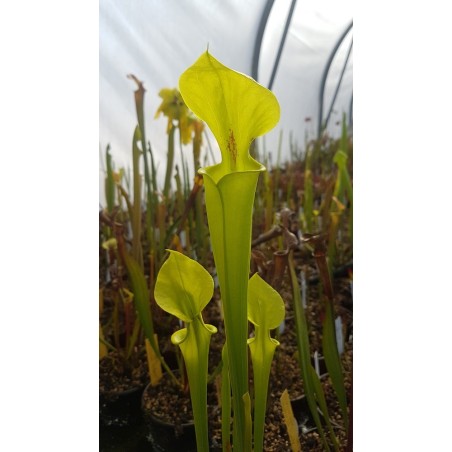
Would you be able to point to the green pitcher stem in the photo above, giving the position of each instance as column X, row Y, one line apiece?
column 262, row 358
column 225, row 401
column 229, row 205
column 195, row 350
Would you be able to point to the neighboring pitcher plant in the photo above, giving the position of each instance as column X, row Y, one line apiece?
column 184, row 288
column 237, row 109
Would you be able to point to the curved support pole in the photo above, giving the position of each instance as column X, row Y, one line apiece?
column 338, row 85
column 259, row 38
column 324, row 76
column 281, row 44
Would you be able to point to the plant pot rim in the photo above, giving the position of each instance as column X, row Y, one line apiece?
column 149, row 413
column 125, row 392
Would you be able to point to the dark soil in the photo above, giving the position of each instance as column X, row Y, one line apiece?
column 117, row 374
column 121, row 384
column 173, row 405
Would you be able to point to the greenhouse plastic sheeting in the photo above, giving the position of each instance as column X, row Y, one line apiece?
column 157, row 40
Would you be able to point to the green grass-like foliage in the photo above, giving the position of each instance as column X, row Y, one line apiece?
column 311, row 388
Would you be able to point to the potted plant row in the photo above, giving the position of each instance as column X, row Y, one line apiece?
column 227, row 391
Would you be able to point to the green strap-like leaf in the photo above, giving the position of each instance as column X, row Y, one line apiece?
column 321, row 400
column 109, row 181
column 301, row 327
column 137, row 251
column 141, row 298
column 248, row 423
column 333, row 361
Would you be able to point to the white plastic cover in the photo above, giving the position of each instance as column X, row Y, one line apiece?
column 157, row 40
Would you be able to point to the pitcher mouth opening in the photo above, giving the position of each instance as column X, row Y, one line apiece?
column 217, row 172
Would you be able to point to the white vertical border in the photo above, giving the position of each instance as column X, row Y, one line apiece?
column 402, row 173
column 49, row 222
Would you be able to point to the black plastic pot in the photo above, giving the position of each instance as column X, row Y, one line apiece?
column 166, row 436
column 301, row 410
column 120, row 409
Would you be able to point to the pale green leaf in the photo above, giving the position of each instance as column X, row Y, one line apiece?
column 265, row 305
column 183, row 287
column 236, row 108
column 265, row 311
